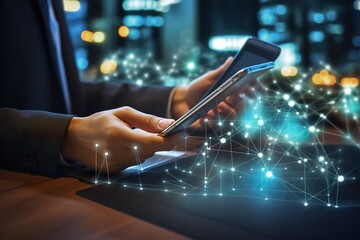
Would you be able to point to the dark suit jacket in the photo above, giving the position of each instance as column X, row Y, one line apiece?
column 33, row 118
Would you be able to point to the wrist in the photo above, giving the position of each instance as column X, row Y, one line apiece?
column 69, row 142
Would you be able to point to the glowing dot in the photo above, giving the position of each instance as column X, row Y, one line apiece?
column 321, row 159
column 220, row 123
column 108, row 182
column 220, row 194
column 269, row 174
column 99, row 37
column 108, row 66
column 261, row 122
column 229, row 133
column 135, row 147
column 312, row 129
column 139, row 82
column 322, row 170
column 291, row 103
column 96, row 145
column 96, row 181
column 71, row 6
column 341, row 178
column 305, row 160
column 190, row 65
column 260, row 155
column 223, row 140
column 329, row 205
column 298, row 87
column 206, row 144
column 306, row 204
column 231, row 124
column 123, row 31
column 87, row 36
column 347, row 91
column 232, row 169
column 106, row 153
column 221, row 171
column 286, row 96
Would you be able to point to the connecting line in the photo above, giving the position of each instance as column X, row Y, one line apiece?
column 138, row 162
column 102, row 164
column 337, row 195
column 107, row 167
column 220, row 193
column 232, row 160
column 96, row 151
column 179, row 180
column 305, row 188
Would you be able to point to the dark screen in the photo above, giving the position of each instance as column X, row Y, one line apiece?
column 253, row 52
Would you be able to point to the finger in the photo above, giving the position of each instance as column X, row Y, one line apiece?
column 217, row 72
column 153, row 143
column 141, row 120
column 234, row 101
column 227, row 112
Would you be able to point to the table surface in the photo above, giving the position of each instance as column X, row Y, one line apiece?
column 37, row 207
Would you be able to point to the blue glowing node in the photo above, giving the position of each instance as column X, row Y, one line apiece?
column 306, row 204
column 191, row 65
column 341, row 178
column 269, row 174
column 223, row 140
column 232, row 169
column 312, row 129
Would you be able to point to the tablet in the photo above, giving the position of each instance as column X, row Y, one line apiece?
column 238, row 82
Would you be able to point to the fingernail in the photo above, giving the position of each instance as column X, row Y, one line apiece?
column 165, row 122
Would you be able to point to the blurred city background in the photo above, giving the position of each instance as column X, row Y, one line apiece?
column 155, row 41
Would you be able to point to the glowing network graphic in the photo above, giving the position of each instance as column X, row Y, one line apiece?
column 294, row 142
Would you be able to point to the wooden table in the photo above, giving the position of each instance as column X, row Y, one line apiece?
column 36, row 207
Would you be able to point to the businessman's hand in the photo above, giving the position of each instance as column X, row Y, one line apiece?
column 185, row 97
column 114, row 132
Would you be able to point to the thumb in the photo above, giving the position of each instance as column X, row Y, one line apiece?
column 147, row 122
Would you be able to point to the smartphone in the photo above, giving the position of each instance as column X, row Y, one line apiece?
column 236, row 83
column 253, row 52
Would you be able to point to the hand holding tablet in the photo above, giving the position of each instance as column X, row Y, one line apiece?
column 253, row 59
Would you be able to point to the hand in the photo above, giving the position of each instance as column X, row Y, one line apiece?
column 113, row 132
column 185, row 97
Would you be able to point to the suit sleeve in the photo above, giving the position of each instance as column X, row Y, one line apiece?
column 31, row 140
